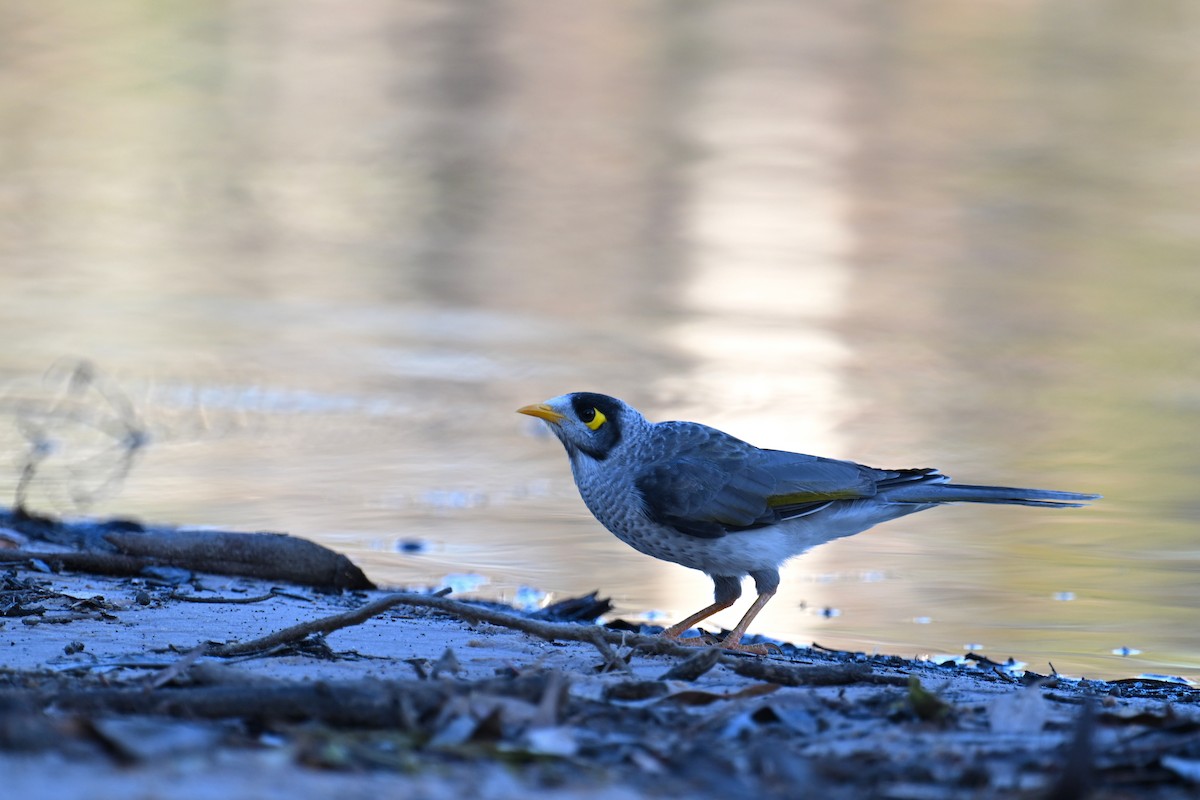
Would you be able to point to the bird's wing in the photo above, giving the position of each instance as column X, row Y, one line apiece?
column 708, row 484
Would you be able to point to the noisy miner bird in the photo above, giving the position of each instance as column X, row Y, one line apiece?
column 688, row 493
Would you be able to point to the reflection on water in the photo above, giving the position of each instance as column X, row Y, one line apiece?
column 326, row 255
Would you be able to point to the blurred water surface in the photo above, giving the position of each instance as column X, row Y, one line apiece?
column 319, row 252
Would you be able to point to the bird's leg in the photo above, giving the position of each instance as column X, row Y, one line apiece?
column 726, row 591
column 734, row 640
column 678, row 629
column 766, row 582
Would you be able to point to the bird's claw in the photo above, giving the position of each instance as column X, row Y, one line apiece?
column 760, row 649
column 708, row 640
column 703, row 640
column 753, row 649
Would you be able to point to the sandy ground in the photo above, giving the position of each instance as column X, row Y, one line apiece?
column 617, row 733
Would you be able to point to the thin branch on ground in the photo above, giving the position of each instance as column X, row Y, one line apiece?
column 600, row 638
column 165, row 676
column 191, row 598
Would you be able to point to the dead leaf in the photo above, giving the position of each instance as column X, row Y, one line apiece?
column 693, row 667
column 1020, row 712
column 925, row 704
column 1186, row 768
column 698, row 697
column 555, row 741
column 632, row 691
column 446, row 663
column 150, row 738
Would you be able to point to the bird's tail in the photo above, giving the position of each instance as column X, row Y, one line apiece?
column 931, row 492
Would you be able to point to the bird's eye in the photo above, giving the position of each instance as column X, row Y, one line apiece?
column 593, row 418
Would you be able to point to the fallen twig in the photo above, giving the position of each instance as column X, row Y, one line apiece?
column 550, row 631
column 97, row 563
column 165, row 676
column 364, row 703
column 304, row 629
column 124, row 547
column 601, row 639
column 191, row 598
column 811, row 674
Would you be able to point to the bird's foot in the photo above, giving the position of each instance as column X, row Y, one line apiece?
column 753, row 649
column 736, row 646
column 761, row 649
column 703, row 640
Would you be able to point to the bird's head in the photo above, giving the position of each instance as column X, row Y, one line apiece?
column 586, row 423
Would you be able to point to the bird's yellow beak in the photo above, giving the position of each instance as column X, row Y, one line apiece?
column 543, row 411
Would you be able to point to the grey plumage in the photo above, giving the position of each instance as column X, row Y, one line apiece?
column 688, row 493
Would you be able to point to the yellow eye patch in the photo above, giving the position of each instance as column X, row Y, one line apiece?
column 597, row 419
